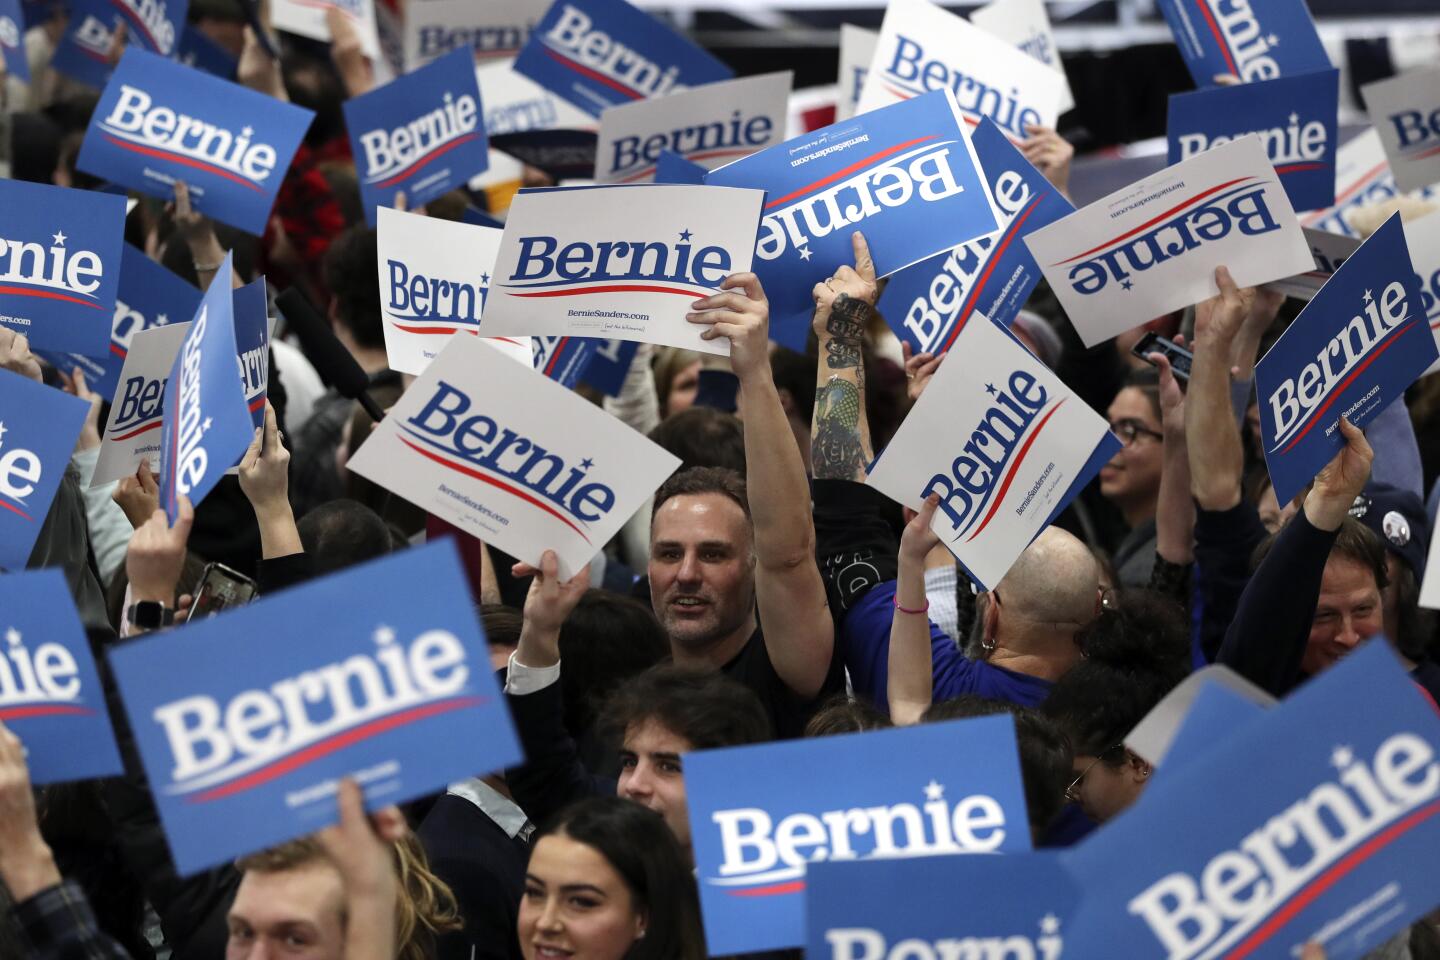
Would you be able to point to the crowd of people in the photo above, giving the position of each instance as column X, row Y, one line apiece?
column 766, row 592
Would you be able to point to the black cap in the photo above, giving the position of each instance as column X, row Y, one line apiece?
column 1398, row 518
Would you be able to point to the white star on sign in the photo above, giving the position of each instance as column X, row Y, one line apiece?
column 1050, row 924
column 12, row 637
column 1294, row 118
column 1342, row 757
column 934, row 791
column 161, row 320
column 1273, row 40
column 206, row 425
column 384, row 634
column 248, row 131
column 60, row 238
column 805, row 253
column 1368, row 298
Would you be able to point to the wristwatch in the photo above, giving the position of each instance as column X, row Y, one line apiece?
column 149, row 615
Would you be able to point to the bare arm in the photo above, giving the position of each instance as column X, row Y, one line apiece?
column 910, row 686
column 1216, row 456
column 840, row 446
column 799, row 634
column 265, row 480
column 1175, row 510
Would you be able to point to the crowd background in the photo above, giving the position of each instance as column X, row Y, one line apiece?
column 765, row 592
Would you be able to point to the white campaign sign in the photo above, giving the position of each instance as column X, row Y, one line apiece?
column 493, row 28
column 711, row 125
column 1329, row 250
column 1406, row 113
column 1362, row 178
column 133, row 431
column 857, row 49
column 923, row 47
column 516, row 104
column 1001, row 439
column 619, row 262
column 306, row 18
column 510, row 456
column 1153, row 247
column 1025, row 24
column 433, row 277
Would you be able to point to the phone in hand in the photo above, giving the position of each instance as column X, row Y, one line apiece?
column 1178, row 356
column 220, row 587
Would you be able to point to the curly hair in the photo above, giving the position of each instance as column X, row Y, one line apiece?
column 424, row 908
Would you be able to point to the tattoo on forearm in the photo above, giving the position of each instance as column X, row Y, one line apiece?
column 836, row 451
column 846, row 326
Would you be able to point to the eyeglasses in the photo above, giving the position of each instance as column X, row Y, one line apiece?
column 1129, row 431
column 1072, row 792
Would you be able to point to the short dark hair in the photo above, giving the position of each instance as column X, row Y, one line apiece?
column 795, row 373
column 605, row 640
column 638, row 845
column 1045, row 757
column 1147, row 381
column 845, row 714
column 502, row 624
column 701, row 480
column 707, row 708
column 703, row 437
column 342, row 533
column 351, row 265
column 1136, row 651
column 1359, row 544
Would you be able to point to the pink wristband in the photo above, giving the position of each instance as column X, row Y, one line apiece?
column 909, row 610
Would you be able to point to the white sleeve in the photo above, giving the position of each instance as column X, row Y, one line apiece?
column 520, row 679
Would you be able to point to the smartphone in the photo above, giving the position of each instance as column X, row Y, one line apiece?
column 220, row 587
column 1178, row 356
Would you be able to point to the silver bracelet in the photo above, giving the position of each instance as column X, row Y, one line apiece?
column 206, row 267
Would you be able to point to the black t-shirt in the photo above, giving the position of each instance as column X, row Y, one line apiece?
column 788, row 711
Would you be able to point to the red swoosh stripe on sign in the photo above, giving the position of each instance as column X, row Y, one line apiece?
column 705, row 155
column 615, row 288
column 1298, row 167
column 1314, row 418
column 427, row 330
column 424, row 160
column 326, row 747
column 136, row 433
column 1359, row 185
column 178, row 158
column 1155, row 219
column 115, row 349
column 497, row 483
column 1011, row 232
column 555, row 355
column 43, row 710
column 145, row 31
column 610, row 82
column 842, row 174
column 14, row 509
column 47, row 295
column 792, row 886
column 1329, row 878
column 1219, row 38
column 257, row 403
column 1430, row 152
column 1010, row 477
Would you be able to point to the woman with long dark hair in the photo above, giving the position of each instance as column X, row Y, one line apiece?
column 608, row 881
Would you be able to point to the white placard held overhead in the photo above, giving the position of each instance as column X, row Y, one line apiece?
column 1026, row 25
column 306, row 18
column 857, row 49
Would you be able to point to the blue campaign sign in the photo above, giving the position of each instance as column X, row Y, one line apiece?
column 38, row 429
column 206, row 425
column 1338, row 359
column 1216, row 714
column 1316, row 822
column 158, row 122
column 609, row 364
column 1015, row 907
column 421, row 135
column 156, row 25
column 202, row 53
column 759, row 815
column 50, row 693
column 12, row 40
column 479, row 218
column 1294, row 117
column 562, row 359
column 928, row 304
column 600, row 53
column 83, row 52
column 62, row 266
column 150, row 296
column 246, row 721
column 905, row 175
column 252, row 345
column 1252, row 41
column 670, row 167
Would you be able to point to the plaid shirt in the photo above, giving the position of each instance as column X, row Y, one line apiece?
column 58, row 924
